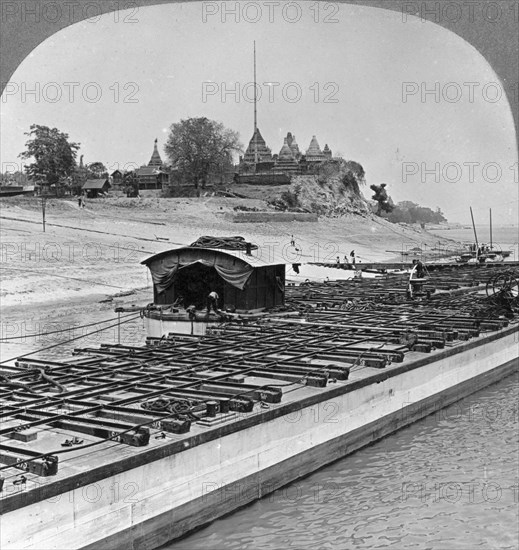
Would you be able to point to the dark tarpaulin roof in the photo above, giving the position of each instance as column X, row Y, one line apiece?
column 223, row 243
column 231, row 267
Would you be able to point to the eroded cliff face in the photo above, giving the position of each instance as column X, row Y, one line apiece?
column 333, row 191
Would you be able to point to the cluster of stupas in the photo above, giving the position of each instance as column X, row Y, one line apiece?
column 258, row 162
column 258, row 158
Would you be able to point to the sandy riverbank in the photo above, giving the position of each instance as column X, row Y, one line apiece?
column 94, row 254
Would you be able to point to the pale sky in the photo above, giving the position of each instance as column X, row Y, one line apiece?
column 162, row 60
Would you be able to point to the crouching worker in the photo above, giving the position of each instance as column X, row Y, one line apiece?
column 212, row 302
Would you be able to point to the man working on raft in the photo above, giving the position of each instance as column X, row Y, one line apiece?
column 212, row 302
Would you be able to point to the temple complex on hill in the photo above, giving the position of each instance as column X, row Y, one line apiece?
column 259, row 165
column 258, row 162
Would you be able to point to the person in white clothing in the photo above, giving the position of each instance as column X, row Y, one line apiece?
column 212, row 302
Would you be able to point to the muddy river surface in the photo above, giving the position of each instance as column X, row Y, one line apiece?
column 449, row 481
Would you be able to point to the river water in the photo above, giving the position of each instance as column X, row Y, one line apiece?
column 449, row 481
column 503, row 237
column 53, row 331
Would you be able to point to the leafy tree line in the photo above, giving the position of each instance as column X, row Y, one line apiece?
column 14, row 178
column 197, row 149
column 410, row 212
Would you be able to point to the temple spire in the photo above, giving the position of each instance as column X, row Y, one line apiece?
column 257, row 151
column 255, row 110
column 255, row 92
column 155, row 157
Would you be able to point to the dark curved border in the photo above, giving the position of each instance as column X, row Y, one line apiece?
column 497, row 41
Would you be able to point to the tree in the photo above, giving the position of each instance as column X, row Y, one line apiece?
column 97, row 170
column 385, row 202
column 131, row 184
column 410, row 212
column 79, row 176
column 198, row 146
column 54, row 157
column 357, row 170
column 14, row 178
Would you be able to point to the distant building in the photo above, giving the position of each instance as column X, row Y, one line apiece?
column 92, row 188
column 118, row 176
column 155, row 174
column 257, row 153
column 258, row 163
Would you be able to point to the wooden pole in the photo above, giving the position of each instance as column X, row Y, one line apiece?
column 491, row 247
column 475, row 234
column 43, row 201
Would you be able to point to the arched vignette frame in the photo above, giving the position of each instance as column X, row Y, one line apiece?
column 496, row 38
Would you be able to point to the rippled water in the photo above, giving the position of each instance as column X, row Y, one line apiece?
column 505, row 238
column 55, row 331
column 449, row 481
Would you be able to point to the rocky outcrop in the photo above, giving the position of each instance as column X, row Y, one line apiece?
column 333, row 191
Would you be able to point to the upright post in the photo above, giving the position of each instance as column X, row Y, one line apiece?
column 43, row 201
column 491, row 247
column 475, row 234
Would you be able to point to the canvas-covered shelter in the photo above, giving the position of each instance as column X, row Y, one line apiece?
column 243, row 282
column 93, row 187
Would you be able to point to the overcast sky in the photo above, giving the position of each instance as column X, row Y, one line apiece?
column 152, row 72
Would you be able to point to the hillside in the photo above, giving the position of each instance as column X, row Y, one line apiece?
column 332, row 192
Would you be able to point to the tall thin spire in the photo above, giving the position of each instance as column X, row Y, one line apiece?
column 255, row 92
column 256, row 156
